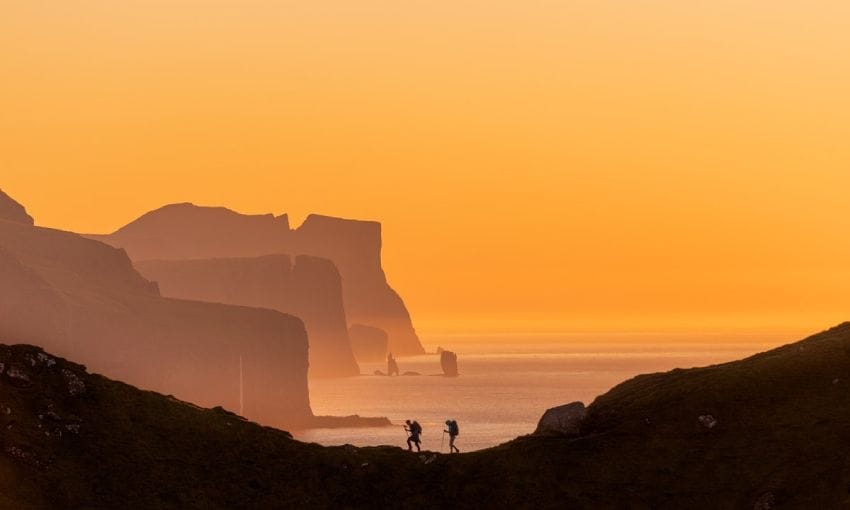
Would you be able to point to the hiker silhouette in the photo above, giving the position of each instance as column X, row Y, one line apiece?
column 415, row 430
column 452, row 430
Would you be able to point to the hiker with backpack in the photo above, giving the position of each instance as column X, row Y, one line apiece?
column 453, row 431
column 415, row 430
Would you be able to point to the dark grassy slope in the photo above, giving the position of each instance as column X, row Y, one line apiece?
column 782, row 435
column 98, row 443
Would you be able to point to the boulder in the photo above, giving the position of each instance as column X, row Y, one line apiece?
column 448, row 360
column 563, row 420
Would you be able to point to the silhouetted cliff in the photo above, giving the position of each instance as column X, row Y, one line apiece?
column 355, row 247
column 776, row 438
column 81, row 298
column 185, row 231
column 13, row 211
column 310, row 290
column 368, row 343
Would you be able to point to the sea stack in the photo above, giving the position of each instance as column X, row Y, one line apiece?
column 448, row 360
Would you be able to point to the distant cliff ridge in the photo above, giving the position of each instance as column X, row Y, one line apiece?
column 310, row 289
column 83, row 299
column 186, row 231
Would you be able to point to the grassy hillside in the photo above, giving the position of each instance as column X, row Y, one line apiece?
column 782, row 427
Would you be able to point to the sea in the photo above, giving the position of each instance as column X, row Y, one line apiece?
column 506, row 382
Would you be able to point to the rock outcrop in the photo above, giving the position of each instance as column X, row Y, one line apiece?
column 369, row 344
column 392, row 365
column 185, row 231
column 310, row 289
column 83, row 299
column 563, row 420
column 13, row 211
column 448, row 361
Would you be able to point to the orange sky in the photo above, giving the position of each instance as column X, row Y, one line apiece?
column 595, row 165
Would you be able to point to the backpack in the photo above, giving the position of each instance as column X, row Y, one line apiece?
column 454, row 429
column 416, row 428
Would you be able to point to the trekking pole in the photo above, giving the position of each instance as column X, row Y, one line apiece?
column 442, row 440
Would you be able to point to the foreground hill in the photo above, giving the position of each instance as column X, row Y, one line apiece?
column 770, row 431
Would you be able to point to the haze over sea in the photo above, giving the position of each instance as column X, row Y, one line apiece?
column 508, row 381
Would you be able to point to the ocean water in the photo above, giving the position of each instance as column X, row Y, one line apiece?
column 504, row 386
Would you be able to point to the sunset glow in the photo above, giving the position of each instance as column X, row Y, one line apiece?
column 596, row 166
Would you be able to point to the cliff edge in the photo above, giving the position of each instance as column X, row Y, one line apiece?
column 310, row 289
column 83, row 299
column 10, row 210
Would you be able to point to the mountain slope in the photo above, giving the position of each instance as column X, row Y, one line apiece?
column 779, row 441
